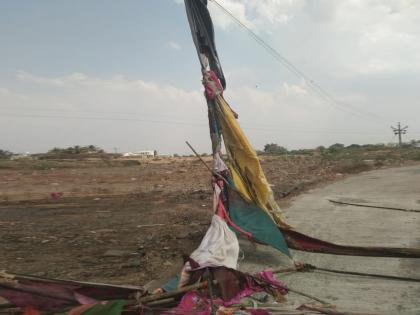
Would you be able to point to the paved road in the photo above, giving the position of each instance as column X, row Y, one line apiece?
column 313, row 214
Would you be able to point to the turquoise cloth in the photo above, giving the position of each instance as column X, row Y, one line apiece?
column 254, row 220
column 171, row 284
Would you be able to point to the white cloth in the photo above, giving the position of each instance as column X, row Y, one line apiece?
column 219, row 247
column 218, row 164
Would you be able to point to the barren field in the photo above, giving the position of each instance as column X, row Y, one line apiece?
column 124, row 221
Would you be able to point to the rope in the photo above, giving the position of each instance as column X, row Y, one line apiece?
column 315, row 87
column 309, row 268
column 308, row 296
column 373, row 275
column 372, row 206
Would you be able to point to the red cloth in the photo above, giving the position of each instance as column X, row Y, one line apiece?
column 223, row 213
column 29, row 310
column 212, row 85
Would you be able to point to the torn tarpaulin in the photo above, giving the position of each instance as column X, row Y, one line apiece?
column 203, row 36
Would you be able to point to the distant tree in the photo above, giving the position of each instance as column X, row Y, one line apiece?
column 354, row 146
column 55, row 150
column 302, row 152
column 77, row 149
column 320, row 148
column 92, row 149
column 5, row 155
column 274, row 148
column 414, row 143
column 336, row 147
column 373, row 147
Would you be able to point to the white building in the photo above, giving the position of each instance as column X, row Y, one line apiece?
column 146, row 153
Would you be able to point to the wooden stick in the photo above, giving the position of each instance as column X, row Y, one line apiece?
column 327, row 311
column 160, row 296
column 372, row 206
column 292, row 269
column 19, row 276
column 199, row 157
column 209, row 278
column 373, row 275
column 160, row 302
column 37, row 292
column 150, row 225
column 307, row 295
column 210, row 170
column 12, row 311
column 6, row 305
column 308, row 267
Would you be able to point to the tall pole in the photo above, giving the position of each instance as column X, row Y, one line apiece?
column 399, row 131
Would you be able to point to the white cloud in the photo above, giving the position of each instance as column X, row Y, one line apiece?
column 173, row 45
column 235, row 7
column 275, row 11
column 4, row 91
column 352, row 48
column 382, row 37
column 352, row 38
column 255, row 14
column 136, row 114
column 117, row 111
column 74, row 88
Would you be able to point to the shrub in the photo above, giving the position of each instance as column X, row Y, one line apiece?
column 5, row 155
column 274, row 148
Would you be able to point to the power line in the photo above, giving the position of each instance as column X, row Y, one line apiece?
column 63, row 110
column 172, row 122
column 265, row 126
column 349, row 109
column 106, row 118
column 399, row 131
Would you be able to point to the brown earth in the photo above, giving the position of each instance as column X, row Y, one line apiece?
column 125, row 222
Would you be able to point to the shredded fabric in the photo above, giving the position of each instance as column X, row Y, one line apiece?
column 219, row 247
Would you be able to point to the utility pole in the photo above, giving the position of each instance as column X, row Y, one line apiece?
column 399, row 131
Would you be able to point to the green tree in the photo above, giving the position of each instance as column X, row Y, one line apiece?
column 5, row 155
column 336, row 147
column 274, row 148
column 77, row 149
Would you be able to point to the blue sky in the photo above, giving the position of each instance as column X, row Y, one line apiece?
column 55, row 38
column 125, row 74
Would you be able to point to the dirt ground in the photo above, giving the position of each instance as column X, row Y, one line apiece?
column 126, row 223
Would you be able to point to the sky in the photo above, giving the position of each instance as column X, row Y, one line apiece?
column 124, row 75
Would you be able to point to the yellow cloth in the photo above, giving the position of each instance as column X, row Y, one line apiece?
column 245, row 168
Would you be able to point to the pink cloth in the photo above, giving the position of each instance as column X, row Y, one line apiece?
column 269, row 277
column 221, row 210
column 212, row 85
column 195, row 303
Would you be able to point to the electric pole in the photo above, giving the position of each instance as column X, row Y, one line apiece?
column 399, row 131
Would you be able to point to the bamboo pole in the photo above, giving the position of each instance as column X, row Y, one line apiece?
column 161, row 296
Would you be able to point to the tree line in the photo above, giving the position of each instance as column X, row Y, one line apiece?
column 275, row 149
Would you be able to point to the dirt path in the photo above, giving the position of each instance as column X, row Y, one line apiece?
column 131, row 224
column 359, row 226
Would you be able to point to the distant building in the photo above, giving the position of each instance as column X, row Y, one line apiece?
column 146, row 153
column 20, row 156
